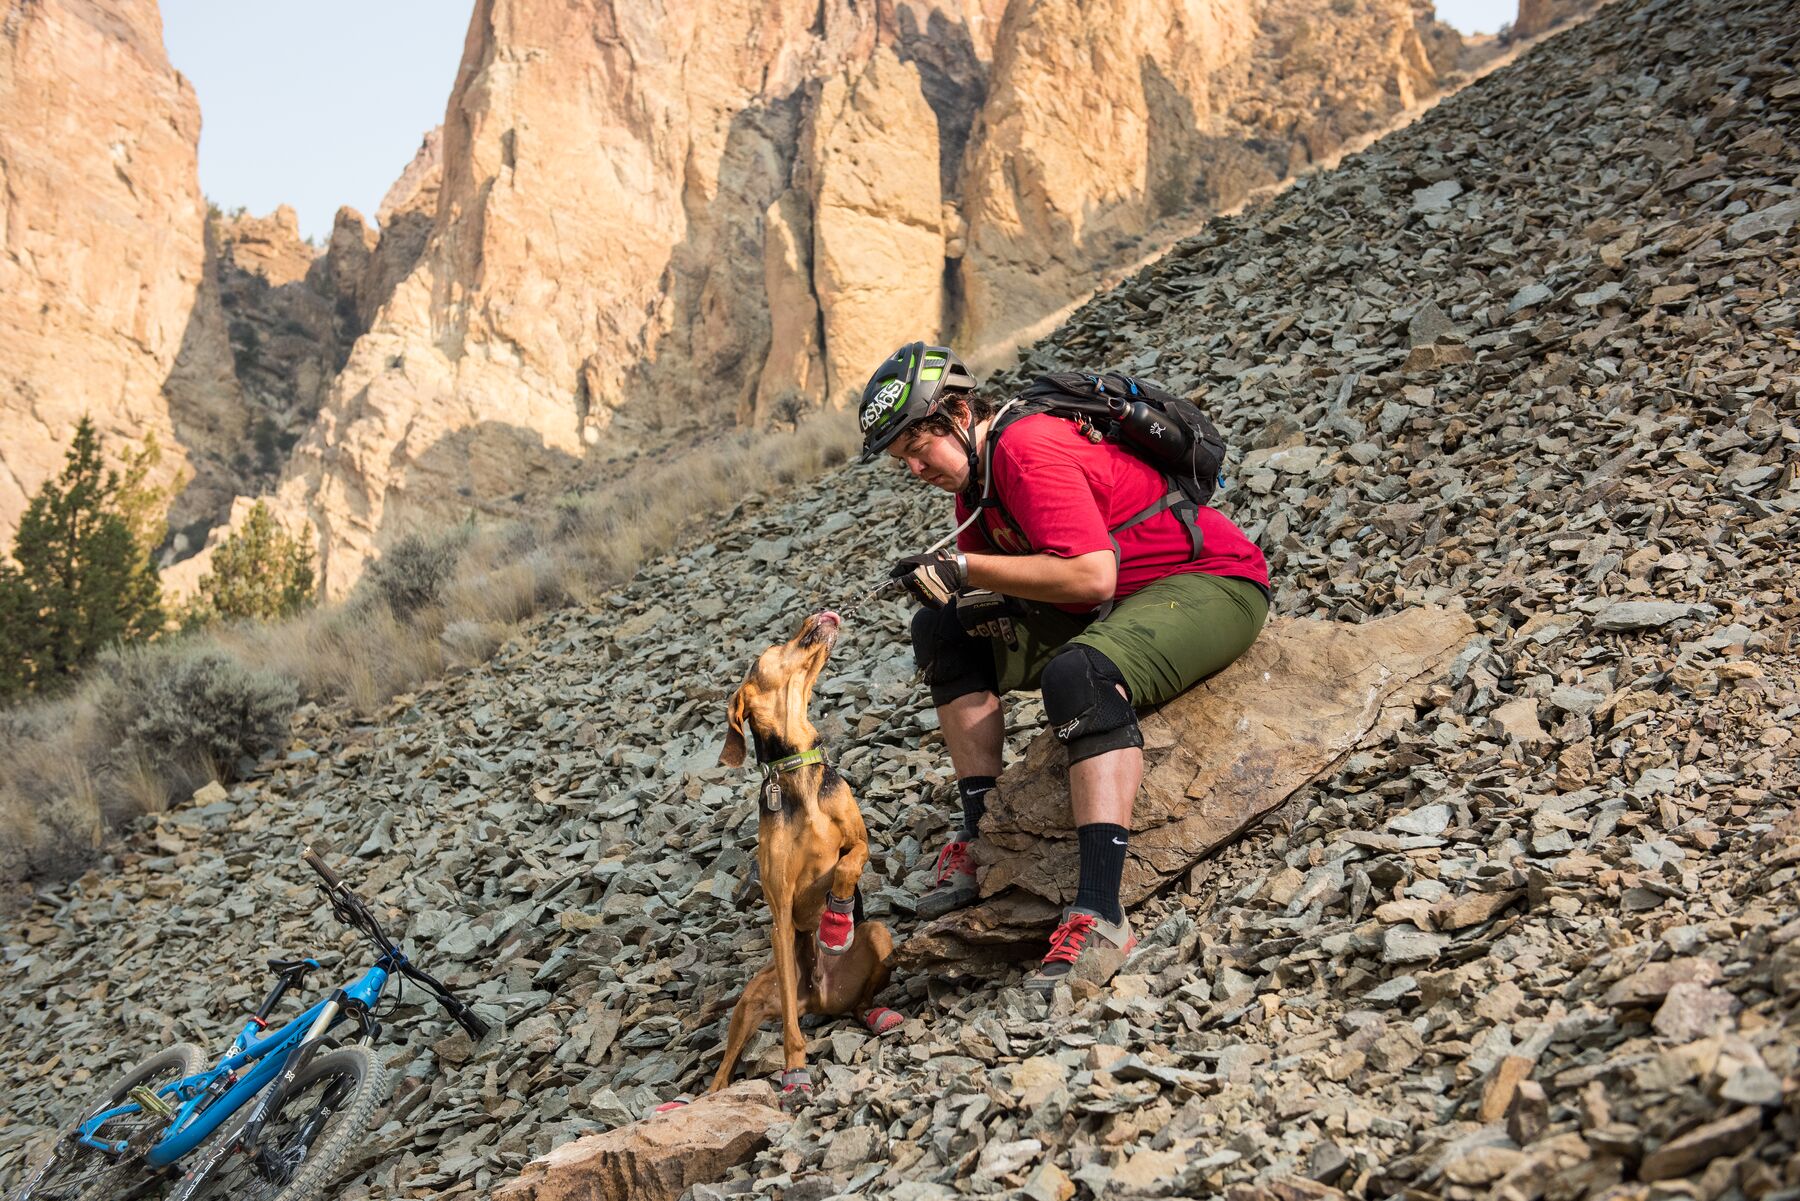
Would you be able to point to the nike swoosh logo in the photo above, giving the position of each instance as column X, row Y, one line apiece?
column 1118, row 842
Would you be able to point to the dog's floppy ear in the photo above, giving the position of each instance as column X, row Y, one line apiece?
column 733, row 754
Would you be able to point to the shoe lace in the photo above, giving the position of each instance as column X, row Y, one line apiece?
column 1069, row 938
column 952, row 860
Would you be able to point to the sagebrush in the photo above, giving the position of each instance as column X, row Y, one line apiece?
column 414, row 572
column 190, row 715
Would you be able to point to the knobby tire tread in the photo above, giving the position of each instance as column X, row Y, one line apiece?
column 355, row 1121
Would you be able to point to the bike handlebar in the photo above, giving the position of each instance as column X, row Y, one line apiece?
column 350, row 909
column 310, row 857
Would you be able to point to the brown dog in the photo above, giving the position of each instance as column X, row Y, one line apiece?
column 810, row 845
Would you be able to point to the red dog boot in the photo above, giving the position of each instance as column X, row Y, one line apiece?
column 881, row 1019
column 837, row 926
column 796, row 1088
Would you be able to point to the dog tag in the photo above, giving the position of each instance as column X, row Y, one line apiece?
column 771, row 794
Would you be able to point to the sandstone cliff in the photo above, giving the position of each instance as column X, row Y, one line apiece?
column 730, row 211
column 1104, row 120
column 102, row 256
column 599, row 236
column 1541, row 16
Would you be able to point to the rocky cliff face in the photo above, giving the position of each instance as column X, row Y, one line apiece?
column 755, row 231
column 102, row 255
column 1105, row 120
column 293, row 313
column 558, row 281
column 1540, row 16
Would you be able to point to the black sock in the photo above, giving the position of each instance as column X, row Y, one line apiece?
column 1103, row 850
column 973, row 790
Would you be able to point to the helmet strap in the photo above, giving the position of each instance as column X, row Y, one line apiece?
column 966, row 436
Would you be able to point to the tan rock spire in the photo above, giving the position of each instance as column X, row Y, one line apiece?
column 101, row 248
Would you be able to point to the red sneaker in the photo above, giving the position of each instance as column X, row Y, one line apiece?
column 796, row 1089
column 1083, row 948
column 956, row 885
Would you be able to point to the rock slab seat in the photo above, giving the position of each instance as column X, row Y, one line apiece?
column 658, row 1158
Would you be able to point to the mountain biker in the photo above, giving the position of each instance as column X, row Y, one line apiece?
column 1054, row 587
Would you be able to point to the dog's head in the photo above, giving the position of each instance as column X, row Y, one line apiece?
column 773, row 698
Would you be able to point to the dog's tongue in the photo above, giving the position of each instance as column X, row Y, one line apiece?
column 827, row 615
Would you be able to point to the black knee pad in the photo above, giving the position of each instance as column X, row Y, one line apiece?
column 1086, row 712
column 950, row 659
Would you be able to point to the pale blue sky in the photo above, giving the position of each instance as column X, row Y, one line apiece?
column 313, row 103
column 1477, row 16
column 321, row 103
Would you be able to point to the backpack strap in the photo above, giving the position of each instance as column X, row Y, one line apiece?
column 1014, row 410
column 1173, row 499
column 1183, row 507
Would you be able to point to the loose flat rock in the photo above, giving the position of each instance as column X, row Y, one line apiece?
column 1653, row 983
column 658, row 1158
column 1692, row 1010
column 1640, row 615
column 1700, row 1146
column 1518, row 720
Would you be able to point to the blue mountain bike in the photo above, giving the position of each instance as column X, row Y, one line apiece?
column 277, row 1114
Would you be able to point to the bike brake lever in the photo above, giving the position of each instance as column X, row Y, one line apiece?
column 461, row 1012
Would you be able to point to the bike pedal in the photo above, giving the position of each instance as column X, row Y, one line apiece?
column 150, row 1103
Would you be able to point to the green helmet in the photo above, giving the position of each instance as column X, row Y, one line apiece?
column 909, row 386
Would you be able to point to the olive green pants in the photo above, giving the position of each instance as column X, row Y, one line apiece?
column 1164, row 639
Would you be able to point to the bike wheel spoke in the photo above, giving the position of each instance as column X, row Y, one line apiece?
column 264, row 1173
column 80, row 1172
column 89, row 1172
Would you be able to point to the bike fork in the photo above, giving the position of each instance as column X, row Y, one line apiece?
column 273, row 1096
column 276, row 1093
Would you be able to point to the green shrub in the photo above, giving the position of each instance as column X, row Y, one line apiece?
column 261, row 571
column 189, row 716
column 415, row 570
column 83, row 579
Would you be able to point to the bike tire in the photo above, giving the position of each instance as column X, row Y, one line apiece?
column 97, row 1176
column 224, row 1173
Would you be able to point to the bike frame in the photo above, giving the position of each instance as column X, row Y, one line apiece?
column 198, row 1115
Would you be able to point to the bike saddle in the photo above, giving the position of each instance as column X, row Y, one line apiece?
column 292, row 967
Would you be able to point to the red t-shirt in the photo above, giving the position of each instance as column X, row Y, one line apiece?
column 1065, row 493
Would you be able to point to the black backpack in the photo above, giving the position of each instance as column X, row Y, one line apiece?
column 1167, row 432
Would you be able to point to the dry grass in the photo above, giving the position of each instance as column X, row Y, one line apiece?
column 51, row 819
column 64, row 781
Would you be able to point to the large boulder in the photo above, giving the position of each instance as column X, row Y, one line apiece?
column 658, row 1158
column 1216, row 759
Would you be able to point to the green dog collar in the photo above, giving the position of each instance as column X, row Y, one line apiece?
column 772, row 772
column 792, row 761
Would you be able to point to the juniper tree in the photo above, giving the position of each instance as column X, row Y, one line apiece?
column 82, row 578
column 260, row 571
